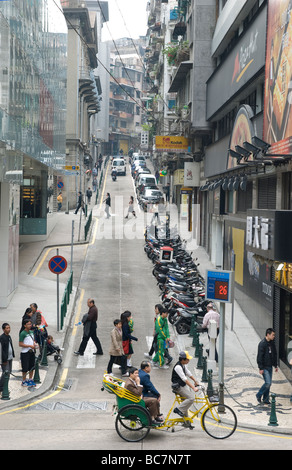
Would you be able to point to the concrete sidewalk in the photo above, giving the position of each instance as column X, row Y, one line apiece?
column 40, row 287
column 241, row 378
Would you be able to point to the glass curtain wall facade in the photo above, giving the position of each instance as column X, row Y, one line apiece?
column 33, row 82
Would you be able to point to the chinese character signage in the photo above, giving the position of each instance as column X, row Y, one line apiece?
column 268, row 234
column 278, row 96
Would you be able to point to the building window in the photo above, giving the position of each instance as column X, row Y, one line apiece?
column 267, row 193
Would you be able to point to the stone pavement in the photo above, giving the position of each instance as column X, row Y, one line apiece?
column 241, row 378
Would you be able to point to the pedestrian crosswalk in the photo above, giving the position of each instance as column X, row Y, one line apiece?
column 88, row 360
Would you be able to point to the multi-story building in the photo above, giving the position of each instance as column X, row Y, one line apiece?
column 222, row 81
column 246, row 191
column 181, row 65
column 126, row 109
column 83, row 94
column 33, row 50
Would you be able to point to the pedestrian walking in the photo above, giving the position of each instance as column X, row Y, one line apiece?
column 155, row 211
column 27, row 354
column 60, row 201
column 107, row 201
column 212, row 314
column 94, row 184
column 181, row 384
column 89, row 195
column 6, row 353
column 131, row 208
column 163, row 337
column 80, row 203
column 126, row 318
column 89, row 321
column 266, row 360
column 157, row 310
column 117, row 355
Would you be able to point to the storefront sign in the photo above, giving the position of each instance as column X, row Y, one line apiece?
column 192, row 174
column 278, row 96
column 171, row 143
column 268, row 234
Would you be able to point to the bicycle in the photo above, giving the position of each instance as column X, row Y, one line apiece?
column 133, row 421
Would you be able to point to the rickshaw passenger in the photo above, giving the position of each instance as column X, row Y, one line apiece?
column 133, row 385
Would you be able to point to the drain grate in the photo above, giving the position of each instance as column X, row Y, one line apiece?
column 69, row 406
column 66, row 387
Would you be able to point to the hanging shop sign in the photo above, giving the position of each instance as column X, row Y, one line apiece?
column 171, row 143
column 192, row 174
column 267, row 234
column 278, row 96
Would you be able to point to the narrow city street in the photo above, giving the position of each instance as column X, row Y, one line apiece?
column 117, row 274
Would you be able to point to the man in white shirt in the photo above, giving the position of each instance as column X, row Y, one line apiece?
column 212, row 314
column 181, row 383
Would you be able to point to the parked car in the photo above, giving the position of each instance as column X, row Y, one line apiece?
column 141, row 171
column 120, row 166
column 145, row 180
column 150, row 196
column 139, row 157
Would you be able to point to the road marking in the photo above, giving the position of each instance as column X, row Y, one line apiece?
column 77, row 317
column 58, row 390
column 88, row 360
column 42, row 261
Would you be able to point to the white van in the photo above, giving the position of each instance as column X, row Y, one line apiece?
column 146, row 180
column 119, row 165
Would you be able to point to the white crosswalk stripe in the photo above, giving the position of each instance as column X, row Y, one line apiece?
column 88, row 360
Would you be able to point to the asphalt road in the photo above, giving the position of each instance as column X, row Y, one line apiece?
column 115, row 271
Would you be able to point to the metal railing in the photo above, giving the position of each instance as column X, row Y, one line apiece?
column 66, row 298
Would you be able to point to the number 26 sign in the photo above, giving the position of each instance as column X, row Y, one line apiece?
column 219, row 286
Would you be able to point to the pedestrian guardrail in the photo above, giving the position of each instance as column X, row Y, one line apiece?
column 66, row 298
column 87, row 225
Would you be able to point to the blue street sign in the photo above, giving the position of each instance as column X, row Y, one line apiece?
column 57, row 264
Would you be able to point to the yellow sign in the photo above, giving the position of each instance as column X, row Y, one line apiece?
column 171, row 143
column 72, row 167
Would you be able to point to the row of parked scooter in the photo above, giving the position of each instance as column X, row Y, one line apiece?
column 182, row 286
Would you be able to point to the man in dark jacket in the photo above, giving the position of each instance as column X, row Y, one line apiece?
column 89, row 330
column 80, row 203
column 149, row 391
column 6, row 353
column 267, row 359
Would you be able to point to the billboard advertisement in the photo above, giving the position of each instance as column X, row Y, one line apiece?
column 171, row 143
column 278, row 84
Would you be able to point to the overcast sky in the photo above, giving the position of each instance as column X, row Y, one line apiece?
column 127, row 18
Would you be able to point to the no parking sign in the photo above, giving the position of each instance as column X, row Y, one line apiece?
column 57, row 264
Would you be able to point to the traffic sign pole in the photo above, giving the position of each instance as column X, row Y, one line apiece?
column 58, row 316
column 220, row 287
column 57, row 265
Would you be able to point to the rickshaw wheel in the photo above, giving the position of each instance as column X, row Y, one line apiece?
column 133, row 423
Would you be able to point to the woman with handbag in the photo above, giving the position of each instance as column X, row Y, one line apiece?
column 126, row 318
column 117, row 355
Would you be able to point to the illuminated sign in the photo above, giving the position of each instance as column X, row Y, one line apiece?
column 219, row 286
